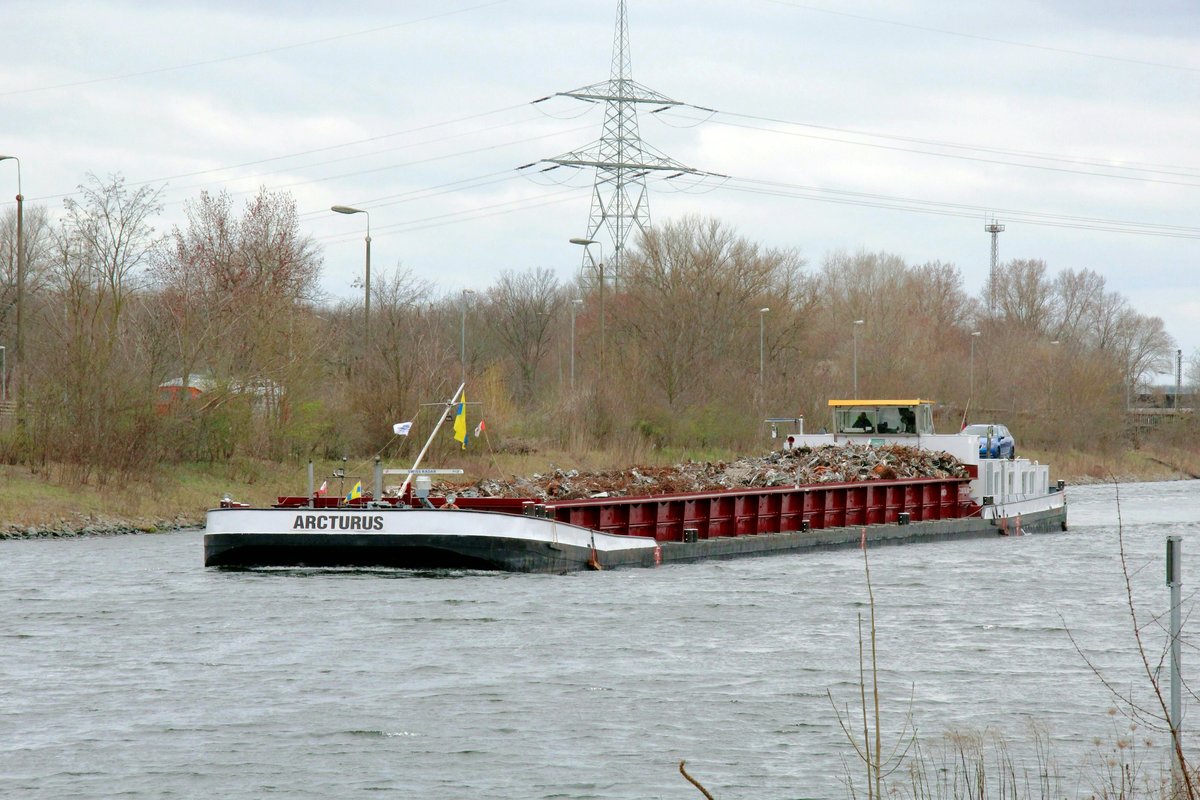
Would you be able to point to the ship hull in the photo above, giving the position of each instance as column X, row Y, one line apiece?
column 420, row 539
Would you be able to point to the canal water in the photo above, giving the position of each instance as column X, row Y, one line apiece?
column 129, row 670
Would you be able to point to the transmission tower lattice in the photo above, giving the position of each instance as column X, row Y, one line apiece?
column 621, row 159
column 994, row 229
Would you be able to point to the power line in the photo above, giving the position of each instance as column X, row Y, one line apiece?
column 238, row 56
column 299, row 153
column 978, row 37
column 977, row 159
column 1136, row 166
column 961, row 210
column 385, row 167
column 464, row 215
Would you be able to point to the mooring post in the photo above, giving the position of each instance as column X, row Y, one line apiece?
column 1175, row 583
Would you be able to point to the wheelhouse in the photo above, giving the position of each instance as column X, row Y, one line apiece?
column 891, row 417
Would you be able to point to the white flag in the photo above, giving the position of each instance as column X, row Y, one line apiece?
column 402, row 428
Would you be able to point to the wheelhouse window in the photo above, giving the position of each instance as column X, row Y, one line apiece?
column 889, row 419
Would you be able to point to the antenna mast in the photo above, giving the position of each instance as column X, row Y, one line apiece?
column 994, row 229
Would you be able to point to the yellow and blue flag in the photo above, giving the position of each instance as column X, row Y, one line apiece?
column 460, row 421
column 356, row 492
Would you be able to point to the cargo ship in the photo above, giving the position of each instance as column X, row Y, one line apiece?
column 417, row 528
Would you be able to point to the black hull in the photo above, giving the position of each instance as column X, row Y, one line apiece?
column 400, row 551
column 437, row 552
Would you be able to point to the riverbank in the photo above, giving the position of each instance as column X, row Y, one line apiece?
column 49, row 504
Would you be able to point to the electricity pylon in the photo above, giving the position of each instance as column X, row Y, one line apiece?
column 621, row 159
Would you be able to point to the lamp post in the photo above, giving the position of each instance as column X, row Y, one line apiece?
column 1054, row 368
column 20, row 262
column 857, row 323
column 575, row 304
column 971, row 393
column 761, row 316
column 587, row 243
column 463, row 351
column 367, row 275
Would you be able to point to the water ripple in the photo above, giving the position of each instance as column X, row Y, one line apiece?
column 128, row 670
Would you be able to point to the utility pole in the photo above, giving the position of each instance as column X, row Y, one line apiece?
column 1178, row 377
column 1175, row 584
column 19, row 352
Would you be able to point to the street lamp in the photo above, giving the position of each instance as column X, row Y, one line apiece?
column 761, row 316
column 367, row 279
column 463, row 351
column 575, row 304
column 857, row 324
column 1054, row 368
column 971, row 393
column 20, row 261
column 587, row 243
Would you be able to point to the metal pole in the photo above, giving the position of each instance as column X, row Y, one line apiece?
column 574, row 308
column 857, row 323
column 1175, row 582
column 442, row 418
column 463, row 347
column 601, row 317
column 366, row 274
column 587, row 244
column 20, row 338
column 855, row 392
column 971, row 393
column 1178, row 377
column 761, row 357
column 20, row 272
column 367, row 294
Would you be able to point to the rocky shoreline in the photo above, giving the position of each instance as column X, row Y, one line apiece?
column 77, row 529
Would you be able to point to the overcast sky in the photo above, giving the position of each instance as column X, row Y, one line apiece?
column 885, row 126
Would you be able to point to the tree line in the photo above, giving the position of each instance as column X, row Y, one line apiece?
column 213, row 340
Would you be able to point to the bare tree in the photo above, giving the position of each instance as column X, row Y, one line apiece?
column 1080, row 295
column 110, row 230
column 1143, row 347
column 38, row 235
column 521, row 310
column 404, row 347
column 689, row 305
column 94, row 395
column 225, row 288
column 1024, row 294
